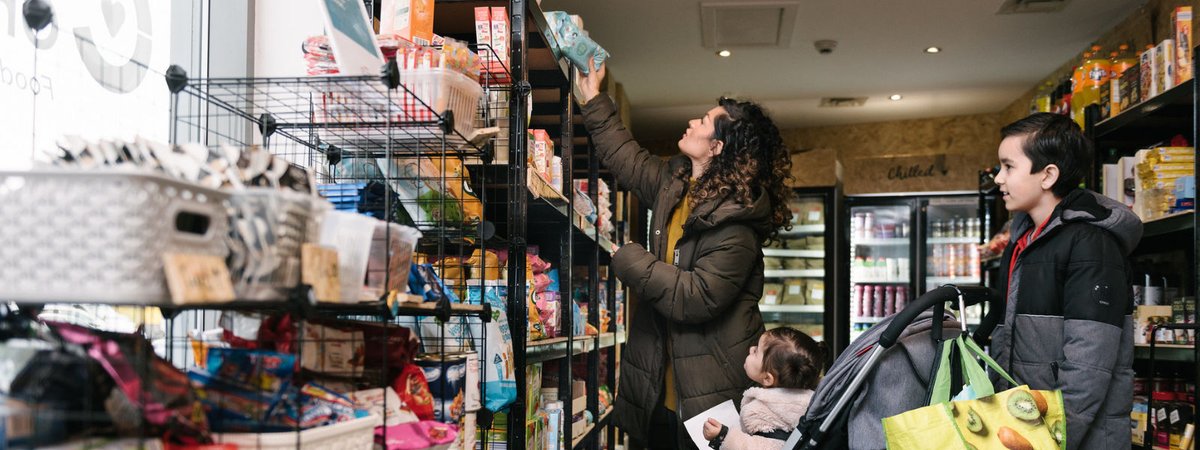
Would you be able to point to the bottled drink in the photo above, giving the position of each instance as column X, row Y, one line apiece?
column 935, row 262
column 877, row 301
column 889, row 301
column 869, row 225
column 952, row 261
column 1095, row 75
column 901, row 297
column 969, row 261
column 1121, row 61
column 856, row 301
column 1042, row 101
column 1077, row 77
column 975, row 262
column 1153, row 289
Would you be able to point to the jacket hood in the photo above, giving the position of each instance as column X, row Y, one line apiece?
column 768, row 409
column 716, row 212
column 1082, row 205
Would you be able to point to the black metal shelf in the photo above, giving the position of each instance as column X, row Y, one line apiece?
column 592, row 429
column 556, row 348
column 1161, row 111
column 1168, row 225
column 1155, row 121
column 1166, row 352
column 337, row 116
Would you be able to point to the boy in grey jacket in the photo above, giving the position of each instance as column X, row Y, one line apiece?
column 1067, row 312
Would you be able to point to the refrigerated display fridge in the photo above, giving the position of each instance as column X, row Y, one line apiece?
column 901, row 246
column 801, row 267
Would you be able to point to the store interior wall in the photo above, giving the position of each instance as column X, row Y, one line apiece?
column 974, row 135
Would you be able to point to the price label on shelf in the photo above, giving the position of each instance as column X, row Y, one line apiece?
column 197, row 278
column 319, row 269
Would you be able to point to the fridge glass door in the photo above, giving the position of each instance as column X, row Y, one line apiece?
column 880, row 252
column 796, row 270
column 953, row 230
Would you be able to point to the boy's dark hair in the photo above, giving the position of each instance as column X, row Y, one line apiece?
column 794, row 358
column 1054, row 139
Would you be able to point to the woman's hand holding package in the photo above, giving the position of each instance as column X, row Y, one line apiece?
column 589, row 83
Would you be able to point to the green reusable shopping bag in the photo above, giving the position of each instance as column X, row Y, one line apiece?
column 1016, row 419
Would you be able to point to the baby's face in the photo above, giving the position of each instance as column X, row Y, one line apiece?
column 754, row 361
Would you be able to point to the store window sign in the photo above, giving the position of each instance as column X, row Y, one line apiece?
column 88, row 78
column 936, row 167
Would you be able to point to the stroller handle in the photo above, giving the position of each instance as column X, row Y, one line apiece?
column 971, row 295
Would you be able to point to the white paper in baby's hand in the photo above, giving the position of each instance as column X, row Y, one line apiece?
column 726, row 413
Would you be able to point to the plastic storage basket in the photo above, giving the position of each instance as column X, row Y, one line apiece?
column 269, row 226
column 355, row 434
column 430, row 93
column 99, row 236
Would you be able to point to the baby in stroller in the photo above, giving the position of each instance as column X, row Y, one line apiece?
column 786, row 363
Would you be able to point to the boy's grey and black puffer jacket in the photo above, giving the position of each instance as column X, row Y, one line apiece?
column 1067, row 316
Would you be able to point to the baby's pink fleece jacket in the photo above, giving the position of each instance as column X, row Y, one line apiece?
column 765, row 410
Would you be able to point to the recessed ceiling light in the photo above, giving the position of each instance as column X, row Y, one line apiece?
column 933, row 50
column 895, row 97
column 724, row 53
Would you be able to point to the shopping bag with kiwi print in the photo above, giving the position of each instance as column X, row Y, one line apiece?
column 979, row 418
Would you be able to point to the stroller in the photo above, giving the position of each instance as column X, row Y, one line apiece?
column 887, row 371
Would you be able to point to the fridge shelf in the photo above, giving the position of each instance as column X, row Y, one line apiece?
column 866, row 319
column 952, row 240
column 806, row 273
column 784, row 253
column 869, row 281
column 938, row 281
column 795, row 309
column 802, row 230
column 882, row 241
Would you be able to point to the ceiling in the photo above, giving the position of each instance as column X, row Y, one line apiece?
column 987, row 60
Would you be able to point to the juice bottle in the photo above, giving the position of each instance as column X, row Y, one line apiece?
column 1041, row 102
column 1074, row 96
column 1122, row 60
column 1095, row 73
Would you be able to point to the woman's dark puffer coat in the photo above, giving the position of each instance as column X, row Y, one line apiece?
column 705, row 306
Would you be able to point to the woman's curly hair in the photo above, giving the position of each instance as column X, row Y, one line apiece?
column 754, row 161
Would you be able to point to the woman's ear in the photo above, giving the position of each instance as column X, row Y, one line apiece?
column 1049, row 176
column 716, row 147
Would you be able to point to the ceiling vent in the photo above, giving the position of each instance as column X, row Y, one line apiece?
column 1032, row 6
column 843, row 102
column 747, row 24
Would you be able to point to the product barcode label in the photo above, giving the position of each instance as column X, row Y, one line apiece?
column 1174, row 417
